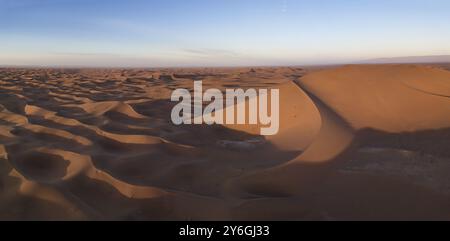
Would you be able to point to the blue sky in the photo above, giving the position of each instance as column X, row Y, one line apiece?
column 138, row 33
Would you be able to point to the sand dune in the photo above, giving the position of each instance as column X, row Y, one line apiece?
column 358, row 142
column 296, row 133
column 101, row 108
column 393, row 98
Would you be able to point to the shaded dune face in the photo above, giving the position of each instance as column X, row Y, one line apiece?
column 41, row 167
column 355, row 143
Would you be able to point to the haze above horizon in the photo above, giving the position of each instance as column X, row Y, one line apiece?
column 176, row 33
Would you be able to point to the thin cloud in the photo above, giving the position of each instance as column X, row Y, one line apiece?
column 68, row 54
column 211, row 52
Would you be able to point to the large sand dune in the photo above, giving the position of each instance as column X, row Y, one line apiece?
column 362, row 142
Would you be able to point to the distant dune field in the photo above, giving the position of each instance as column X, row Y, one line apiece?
column 356, row 142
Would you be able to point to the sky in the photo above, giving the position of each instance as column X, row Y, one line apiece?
column 166, row 33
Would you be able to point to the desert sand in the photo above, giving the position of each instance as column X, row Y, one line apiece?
column 356, row 142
